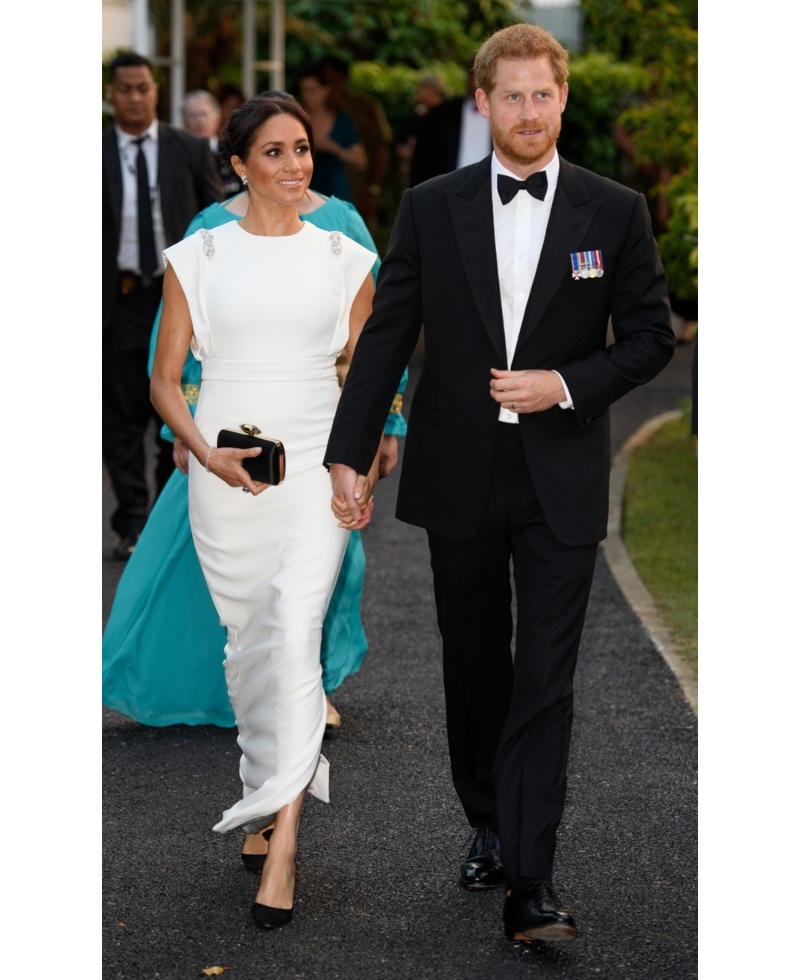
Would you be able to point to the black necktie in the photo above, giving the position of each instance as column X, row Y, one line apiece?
column 535, row 185
column 147, row 239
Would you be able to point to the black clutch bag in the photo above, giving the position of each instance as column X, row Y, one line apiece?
column 269, row 466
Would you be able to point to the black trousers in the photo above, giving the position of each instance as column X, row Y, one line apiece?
column 509, row 721
column 127, row 409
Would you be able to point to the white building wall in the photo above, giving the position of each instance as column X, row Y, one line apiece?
column 117, row 25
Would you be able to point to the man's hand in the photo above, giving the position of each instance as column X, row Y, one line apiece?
column 388, row 456
column 526, row 391
column 352, row 501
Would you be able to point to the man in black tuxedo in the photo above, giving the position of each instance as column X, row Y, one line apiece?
column 514, row 266
column 176, row 175
column 452, row 135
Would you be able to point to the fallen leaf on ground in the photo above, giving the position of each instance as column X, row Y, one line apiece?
column 214, row 971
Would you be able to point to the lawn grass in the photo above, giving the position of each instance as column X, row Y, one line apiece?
column 660, row 528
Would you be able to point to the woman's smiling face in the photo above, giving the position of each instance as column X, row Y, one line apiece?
column 279, row 164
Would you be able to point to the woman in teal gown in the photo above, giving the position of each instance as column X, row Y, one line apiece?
column 163, row 643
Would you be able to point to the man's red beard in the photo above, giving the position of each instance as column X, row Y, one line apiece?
column 504, row 141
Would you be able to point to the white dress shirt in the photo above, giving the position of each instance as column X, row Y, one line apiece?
column 519, row 230
column 128, row 251
column 475, row 138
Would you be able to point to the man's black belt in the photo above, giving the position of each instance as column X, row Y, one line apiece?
column 131, row 282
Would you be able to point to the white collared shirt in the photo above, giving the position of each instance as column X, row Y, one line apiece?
column 475, row 137
column 519, row 230
column 128, row 251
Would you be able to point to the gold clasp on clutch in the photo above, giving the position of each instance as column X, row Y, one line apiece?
column 250, row 430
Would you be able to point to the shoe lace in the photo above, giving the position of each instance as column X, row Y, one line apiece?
column 472, row 836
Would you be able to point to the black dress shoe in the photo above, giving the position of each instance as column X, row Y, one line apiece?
column 269, row 918
column 534, row 914
column 125, row 548
column 483, row 867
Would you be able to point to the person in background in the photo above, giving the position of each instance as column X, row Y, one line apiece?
column 374, row 132
column 335, row 137
column 230, row 97
column 429, row 94
column 452, row 135
column 201, row 117
column 155, row 178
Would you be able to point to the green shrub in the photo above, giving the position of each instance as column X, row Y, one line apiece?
column 598, row 86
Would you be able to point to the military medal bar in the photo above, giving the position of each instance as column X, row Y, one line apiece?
column 587, row 265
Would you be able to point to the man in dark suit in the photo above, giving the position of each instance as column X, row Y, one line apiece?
column 452, row 135
column 514, row 266
column 155, row 179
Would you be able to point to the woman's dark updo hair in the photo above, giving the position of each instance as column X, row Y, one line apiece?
column 238, row 138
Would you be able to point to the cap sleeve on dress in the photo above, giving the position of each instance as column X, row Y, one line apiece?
column 188, row 259
column 357, row 263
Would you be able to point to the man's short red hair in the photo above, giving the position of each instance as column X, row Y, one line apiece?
column 521, row 42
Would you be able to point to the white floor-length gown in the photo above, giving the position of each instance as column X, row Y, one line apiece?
column 269, row 316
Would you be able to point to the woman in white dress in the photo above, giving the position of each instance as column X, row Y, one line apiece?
column 266, row 304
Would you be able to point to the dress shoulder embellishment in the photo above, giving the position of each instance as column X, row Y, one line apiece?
column 336, row 242
column 208, row 242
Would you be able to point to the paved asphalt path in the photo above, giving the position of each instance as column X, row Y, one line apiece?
column 377, row 895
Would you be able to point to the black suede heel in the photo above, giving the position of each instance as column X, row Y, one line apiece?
column 255, row 862
column 270, row 918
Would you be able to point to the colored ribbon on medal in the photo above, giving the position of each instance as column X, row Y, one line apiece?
column 587, row 265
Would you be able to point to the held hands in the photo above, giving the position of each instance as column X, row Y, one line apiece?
column 526, row 391
column 352, row 500
column 226, row 463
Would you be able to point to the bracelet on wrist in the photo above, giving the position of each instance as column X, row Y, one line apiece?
column 208, row 458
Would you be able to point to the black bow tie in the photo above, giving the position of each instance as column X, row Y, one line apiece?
column 535, row 185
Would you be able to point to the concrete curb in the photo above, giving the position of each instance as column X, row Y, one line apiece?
column 623, row 569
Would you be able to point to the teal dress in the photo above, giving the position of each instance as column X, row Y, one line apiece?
column 330, row 176
column 163, row 643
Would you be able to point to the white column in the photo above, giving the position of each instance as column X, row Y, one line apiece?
column 249, row 48
column 177, row 62
column 277, row 43
column 141, row 28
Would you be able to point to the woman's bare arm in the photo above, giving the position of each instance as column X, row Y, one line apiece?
column 174, row 337
column 359, row 314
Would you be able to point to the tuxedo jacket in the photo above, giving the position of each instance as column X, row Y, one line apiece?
column 188, row 182
column 438, row 139
column 441, row 270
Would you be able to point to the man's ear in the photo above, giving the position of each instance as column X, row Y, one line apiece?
column 482, row 101
column 564, row 93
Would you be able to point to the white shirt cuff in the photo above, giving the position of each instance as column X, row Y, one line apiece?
column 567, row 403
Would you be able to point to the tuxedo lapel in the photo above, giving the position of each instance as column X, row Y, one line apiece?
column 570, row 217
column 112, row 169
column 473, row 220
